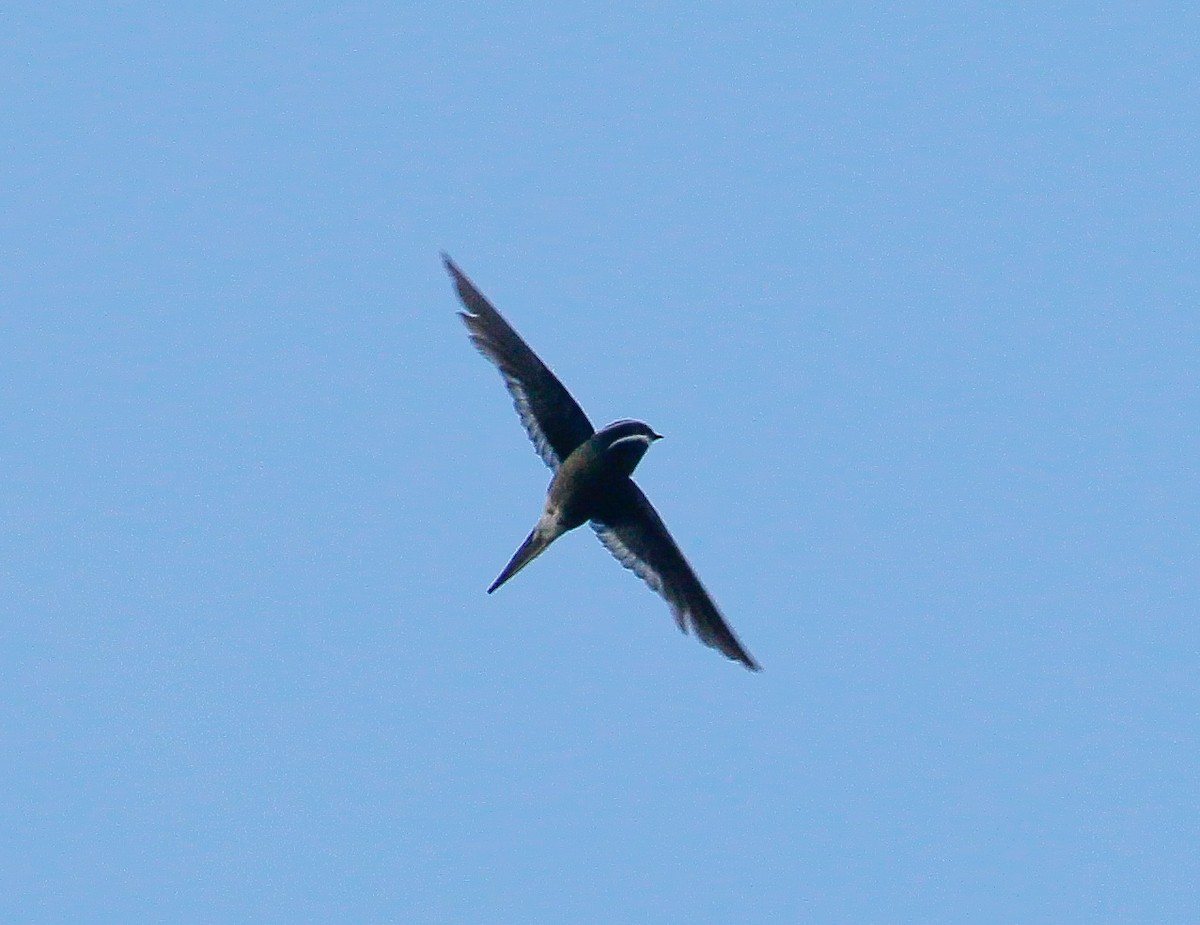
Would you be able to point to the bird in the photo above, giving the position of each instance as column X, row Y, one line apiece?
column 592, row 477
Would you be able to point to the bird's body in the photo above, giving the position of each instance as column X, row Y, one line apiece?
column 582, row 487
column 590, row 473
column 591, row 477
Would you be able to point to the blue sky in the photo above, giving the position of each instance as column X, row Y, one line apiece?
column 912, row 292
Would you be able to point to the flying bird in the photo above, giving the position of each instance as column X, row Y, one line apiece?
column 591, row 480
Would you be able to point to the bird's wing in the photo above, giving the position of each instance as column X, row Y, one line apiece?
column 631, row 529
column 555, row 422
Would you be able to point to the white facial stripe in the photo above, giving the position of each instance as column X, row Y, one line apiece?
column 637, row 438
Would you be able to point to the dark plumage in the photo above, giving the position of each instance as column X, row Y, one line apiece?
column 591, row 477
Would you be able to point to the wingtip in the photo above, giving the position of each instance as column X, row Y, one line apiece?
column 733, row 650
column 741, row 656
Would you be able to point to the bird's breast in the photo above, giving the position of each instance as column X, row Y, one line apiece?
column 582, row 482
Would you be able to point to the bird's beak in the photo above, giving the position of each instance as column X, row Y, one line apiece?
column 654, row 436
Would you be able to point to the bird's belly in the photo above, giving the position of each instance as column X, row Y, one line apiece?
column 579, row 492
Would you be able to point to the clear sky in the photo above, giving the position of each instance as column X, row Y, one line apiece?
column 911, row 291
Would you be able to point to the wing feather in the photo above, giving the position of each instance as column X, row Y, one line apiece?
column 630, row 528
column 552, row 418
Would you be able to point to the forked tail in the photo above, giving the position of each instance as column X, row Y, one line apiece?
column 535, row 544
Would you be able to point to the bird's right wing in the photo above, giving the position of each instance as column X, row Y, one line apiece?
column 631, row 530
column 553, row 419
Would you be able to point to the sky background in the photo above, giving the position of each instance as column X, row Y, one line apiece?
column 913, row 293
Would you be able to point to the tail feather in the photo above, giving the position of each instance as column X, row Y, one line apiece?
column 535, row 544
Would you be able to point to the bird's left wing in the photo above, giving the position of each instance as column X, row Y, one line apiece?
column 631, row 530
column 553, row 419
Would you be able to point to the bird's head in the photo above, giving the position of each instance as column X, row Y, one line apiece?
column 624, row 443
